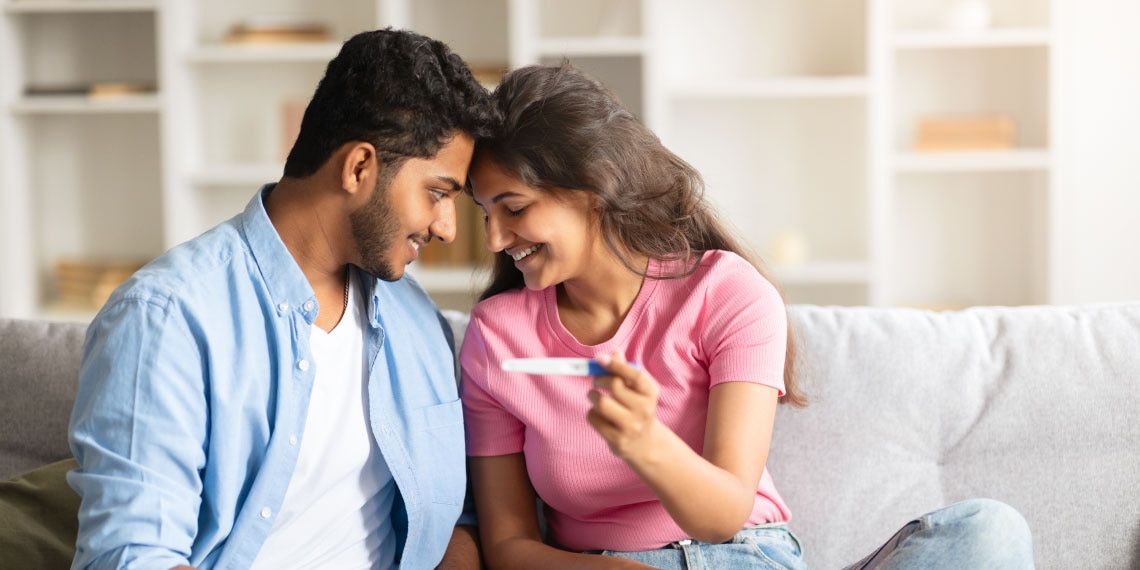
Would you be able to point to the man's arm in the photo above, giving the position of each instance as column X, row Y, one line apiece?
column 462, row 551
column 138, row 432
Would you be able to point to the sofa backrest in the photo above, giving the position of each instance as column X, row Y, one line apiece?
column 39, row 367
column 911, row 410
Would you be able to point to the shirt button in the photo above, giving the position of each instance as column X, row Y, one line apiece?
column 283, row 307
column 303, row 365
column 292, row 440
column 309, row 306
column 266, row 512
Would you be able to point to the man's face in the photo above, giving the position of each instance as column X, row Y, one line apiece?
column 409, row 208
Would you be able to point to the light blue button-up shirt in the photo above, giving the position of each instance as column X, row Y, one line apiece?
column 193, row 393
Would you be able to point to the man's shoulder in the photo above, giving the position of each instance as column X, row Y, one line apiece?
column 202, row 263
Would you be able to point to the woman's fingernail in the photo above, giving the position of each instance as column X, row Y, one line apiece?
column 603, row 359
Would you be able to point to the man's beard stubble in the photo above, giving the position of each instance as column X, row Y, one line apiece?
column 375, row 229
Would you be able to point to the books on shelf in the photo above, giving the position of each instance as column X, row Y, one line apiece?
column 84, row 283
column 467, row 249
column 978, row 132
column 96, row 90
column 271, row 30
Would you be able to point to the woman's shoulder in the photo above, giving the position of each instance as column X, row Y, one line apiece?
column 726, row 270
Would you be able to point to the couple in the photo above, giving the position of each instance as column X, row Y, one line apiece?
column 274, row 393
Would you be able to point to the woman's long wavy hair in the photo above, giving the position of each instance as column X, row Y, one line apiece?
column 563, row 130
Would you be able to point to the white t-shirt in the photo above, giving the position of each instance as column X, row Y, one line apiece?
column 337, row 508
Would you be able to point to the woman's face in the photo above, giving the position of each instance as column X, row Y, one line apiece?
column 553, row 239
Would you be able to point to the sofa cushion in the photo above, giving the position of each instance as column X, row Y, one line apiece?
column 38, row 519
column 912, row 410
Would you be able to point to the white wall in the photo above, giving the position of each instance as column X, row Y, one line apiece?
column 1098, row 151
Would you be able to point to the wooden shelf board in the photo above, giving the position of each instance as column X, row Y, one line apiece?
column 78, row 6
column 591, row 47
column 82, row 104
column 450, row 279
column 994, row 38
column 973, row 161
column 822, row 273
column 263, row 53
column 775, row 88
column 237, row 174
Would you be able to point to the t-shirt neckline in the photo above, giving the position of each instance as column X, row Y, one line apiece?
column 628, row 324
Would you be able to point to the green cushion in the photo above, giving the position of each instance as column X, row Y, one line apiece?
column 39, row 518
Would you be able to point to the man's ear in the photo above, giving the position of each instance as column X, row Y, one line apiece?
column 359, row 169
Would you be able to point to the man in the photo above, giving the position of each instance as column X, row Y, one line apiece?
column 272, row 393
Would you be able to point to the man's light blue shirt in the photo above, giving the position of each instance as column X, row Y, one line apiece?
column 194, row 389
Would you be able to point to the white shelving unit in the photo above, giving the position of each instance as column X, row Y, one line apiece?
column 799, row 114
column 968, row 228
column 777, row 121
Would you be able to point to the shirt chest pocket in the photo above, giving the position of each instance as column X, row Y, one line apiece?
column 441, row 453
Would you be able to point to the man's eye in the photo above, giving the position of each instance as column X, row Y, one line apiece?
column 438, row 194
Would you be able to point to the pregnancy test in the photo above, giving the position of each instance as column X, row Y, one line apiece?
column 557, row 366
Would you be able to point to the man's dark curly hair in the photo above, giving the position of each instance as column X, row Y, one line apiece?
column 404, row 93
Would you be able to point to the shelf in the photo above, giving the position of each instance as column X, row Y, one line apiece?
column 996, row 38
column 973, row 161
column 450, row 279
column 592, row 47
column 82, row 104
column 777, row 88
column 254, row 174
column 318, row 52
column 78, row 6
column 822, row 272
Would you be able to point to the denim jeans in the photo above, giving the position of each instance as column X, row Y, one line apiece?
column 769, row 546
column 978, row 533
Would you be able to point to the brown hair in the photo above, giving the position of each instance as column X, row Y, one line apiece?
column 564, row 130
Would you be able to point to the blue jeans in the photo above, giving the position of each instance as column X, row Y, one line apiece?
column 770, row 546
column 978, row 533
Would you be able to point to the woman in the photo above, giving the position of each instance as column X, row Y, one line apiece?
column 607, row 250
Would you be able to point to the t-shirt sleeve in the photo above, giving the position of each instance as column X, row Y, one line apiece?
column 491, row 429
column 746, row 326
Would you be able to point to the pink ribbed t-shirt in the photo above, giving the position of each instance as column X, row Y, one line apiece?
column 722, row 323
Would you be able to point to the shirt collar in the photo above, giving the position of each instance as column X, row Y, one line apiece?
column 284, row 279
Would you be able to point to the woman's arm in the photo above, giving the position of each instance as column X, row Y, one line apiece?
column 709, row 496
column 508, row 522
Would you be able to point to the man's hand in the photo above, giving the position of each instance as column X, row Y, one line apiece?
column 462, row 551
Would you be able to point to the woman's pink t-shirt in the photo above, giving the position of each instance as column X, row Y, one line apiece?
column 722, row 323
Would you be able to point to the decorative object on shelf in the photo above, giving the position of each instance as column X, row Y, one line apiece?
column 97, row 90
column 981, row 132
column 489, row 75
column 292, row 111
column 464, row 250
column 84, row 283
column 116, row 89
column 275, row 30
column 968, row 16
column 788, row 249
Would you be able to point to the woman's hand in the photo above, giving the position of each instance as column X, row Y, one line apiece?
column 624, row 408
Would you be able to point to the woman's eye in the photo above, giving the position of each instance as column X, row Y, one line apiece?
column 438, row 194
column 517, row 212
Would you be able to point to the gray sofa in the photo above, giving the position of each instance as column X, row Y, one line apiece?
column 1038, row 407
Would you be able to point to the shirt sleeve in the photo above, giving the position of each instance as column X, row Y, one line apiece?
column 138, row 430
column 746, row 326
column 491, row 429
